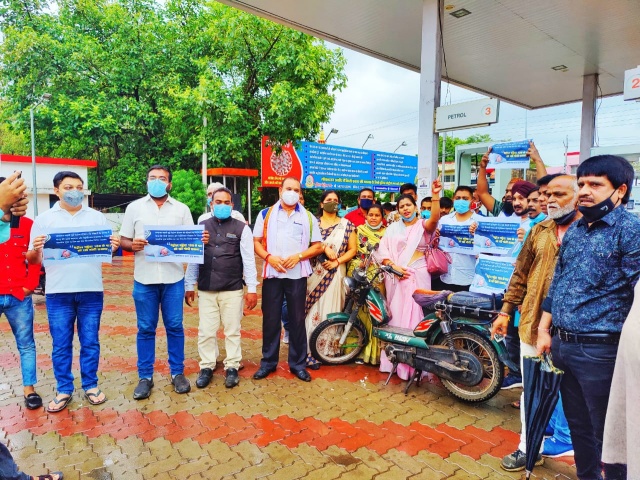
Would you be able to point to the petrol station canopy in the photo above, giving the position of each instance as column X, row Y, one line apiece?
column 529, row 53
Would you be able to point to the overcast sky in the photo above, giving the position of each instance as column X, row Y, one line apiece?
column 382, row 99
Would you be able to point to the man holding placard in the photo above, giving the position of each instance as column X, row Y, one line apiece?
column 75, row 293
column 158, row 285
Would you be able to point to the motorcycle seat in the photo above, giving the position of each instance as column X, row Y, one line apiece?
column 476, row 300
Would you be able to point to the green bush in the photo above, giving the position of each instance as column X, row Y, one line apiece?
column 187, row 187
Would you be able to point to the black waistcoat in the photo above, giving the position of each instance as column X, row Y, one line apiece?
column 222, row 269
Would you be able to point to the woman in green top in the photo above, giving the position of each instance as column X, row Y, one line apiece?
column 369, row 234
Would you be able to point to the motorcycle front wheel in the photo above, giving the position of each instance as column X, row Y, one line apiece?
column 325, row 342
column 493, row 370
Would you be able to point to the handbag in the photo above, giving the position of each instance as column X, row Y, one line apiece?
column 437, row 261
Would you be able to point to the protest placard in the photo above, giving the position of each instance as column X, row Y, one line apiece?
column 492, row 274
column 174, row 243
column 498, row 236
column 509, row 155
column 455, row 237
column 77, row 245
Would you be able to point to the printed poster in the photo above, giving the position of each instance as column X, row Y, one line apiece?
column 492, row 274
column 174, row 243
column 77, row 245
column 509, row 155
column 456, row 238
column 498, row 236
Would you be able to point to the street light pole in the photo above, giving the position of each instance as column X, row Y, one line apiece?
column 43, row 98
column 403, row 144
column 370, row 136
column 333, row 130
column 204, row 152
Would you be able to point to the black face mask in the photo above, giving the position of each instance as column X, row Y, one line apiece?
column 565, row 219
column 596, row 212
column 507, row 208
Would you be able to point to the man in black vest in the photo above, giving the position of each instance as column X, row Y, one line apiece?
column 228, row 255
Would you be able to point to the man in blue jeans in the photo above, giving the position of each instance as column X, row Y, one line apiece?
column 11, row 193
column 588, row 302
column 74, row 293
column 157, row 286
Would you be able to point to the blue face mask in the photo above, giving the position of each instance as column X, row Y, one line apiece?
column 221, row 211
column 365, row 203
column 73, row 198
column 410, row 219
column 157, row 188
column 461, row 206
column 426, row 214
column 209, row 202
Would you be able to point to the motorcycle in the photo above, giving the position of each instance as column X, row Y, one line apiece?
column 452, row 341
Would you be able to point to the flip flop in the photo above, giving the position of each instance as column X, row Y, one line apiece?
column 49, row 476
column 63, row 402
column 91, row 396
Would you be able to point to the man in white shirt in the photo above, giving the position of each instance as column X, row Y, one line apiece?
column 228, row 255
column 74, row 295
column 157, row 286
column 210, row 190
column 286, row 236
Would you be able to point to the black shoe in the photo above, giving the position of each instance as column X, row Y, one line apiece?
column 33, row 401
column 204, row 379
column 143, row 390
column 232, row 379
column 263, row 372
column 302, row 374
column 181, row 384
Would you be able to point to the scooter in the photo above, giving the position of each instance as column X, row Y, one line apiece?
column 452, row 341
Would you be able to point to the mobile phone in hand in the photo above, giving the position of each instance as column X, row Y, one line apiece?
column 15, row 221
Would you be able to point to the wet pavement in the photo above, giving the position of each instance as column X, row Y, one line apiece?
column 344, row 424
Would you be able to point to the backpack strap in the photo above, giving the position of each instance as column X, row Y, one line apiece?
column 266, row 213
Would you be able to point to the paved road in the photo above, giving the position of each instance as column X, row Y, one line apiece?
column 344, row 424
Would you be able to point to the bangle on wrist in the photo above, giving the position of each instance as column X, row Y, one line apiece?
column 266, row 259
column 548, row 330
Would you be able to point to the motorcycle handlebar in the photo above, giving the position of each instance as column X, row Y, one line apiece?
column 386, row 268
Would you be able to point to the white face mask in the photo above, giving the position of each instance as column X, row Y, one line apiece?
column 290, row 198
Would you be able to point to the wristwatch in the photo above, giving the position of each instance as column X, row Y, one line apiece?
column 300, row 256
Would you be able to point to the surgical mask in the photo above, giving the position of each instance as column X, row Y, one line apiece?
column 507, row 208
column 377, row 227
column 209, row 200
column 221, row 211
column 426, row 214
column 596, row 212
column 73, row 198
column 290, row 198
column 365, row 203
column 461, row 206
column 331, row 207
column 157, row 188
column 410, row 219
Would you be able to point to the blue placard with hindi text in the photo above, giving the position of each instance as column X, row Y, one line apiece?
column 174, row 243
column 492, row 274
column 77, row 245
column 456, row 238
column 498, row 236
column 509, row 155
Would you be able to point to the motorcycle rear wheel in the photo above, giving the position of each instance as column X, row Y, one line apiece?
column 493, row 373
column 326, row 336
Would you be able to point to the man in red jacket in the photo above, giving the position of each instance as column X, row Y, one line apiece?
column 18, row 279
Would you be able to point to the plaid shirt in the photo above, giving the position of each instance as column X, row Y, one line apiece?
column 532, row 277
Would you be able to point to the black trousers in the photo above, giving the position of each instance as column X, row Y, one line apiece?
column 512, row 341
column 588, row 371
column 274, row 292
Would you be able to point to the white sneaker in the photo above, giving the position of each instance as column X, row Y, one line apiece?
column 285, row 337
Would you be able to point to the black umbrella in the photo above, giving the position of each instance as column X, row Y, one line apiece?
column 541, row 381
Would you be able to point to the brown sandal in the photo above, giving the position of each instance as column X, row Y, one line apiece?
column 63, row 402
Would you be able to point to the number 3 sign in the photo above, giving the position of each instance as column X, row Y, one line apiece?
column 632, row 84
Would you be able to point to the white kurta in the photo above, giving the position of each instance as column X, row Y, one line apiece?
column 622, row 426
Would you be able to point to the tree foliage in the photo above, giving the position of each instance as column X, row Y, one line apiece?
column 187, row 187
column 132, row 80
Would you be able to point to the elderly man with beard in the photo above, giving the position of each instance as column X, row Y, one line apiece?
column 528, row 287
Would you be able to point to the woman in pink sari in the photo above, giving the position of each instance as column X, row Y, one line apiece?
column 403, row 247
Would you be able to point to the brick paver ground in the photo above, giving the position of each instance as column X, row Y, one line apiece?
column 344, row 424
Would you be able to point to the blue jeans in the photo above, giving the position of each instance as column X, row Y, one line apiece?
column 20, row 316
column 8, row 468
column 63, row 309
column 588, row 371
column 559, row 424
column 148, row 300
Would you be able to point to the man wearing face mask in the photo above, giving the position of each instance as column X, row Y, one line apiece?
column 157, row 286
column 229, row 263
column 527, row 288
column 210, row 190
column 359, row 215
column 462, row 267
column 285, row 236
column 588, row 301
column 75, row 294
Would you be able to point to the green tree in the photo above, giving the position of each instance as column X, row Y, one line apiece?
column 132, row 80
column 187, row 187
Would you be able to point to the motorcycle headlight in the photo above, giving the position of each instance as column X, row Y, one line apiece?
column 350, row 284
